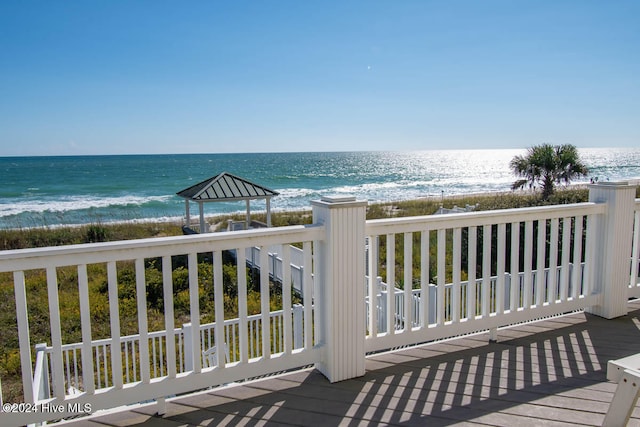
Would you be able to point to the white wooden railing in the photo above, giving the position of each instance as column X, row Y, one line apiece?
column 127, row 369
column 454, row 308
column 130, row 348
column 276, row 267
column 344, row 313
column 416, row 304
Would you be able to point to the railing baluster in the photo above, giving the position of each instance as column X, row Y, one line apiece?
column 160, row 355
column 56, row 333
column 264, row 304
column 408, row 281
column 97, row 367
column 391, row 284
column 125, row 354
column 106, row 365
column 281, row 322
column 169, row 322
column 577, row 258
column 424, row 278
column 227, row 339
column 143, row 326
column 133, row 360
column 274, row 335
column 553, row 261
column 486, row 269
column 541, row 285
column 441, row 276
column 67, row 367
column 566, row 252
column 593, row 223
column 252, row 340
column 456, row 274
column 218, row 299
column 309, row 324
column 514, row 301
column 88, row 379
column 501, row 261
column 75, row 369
column 286, row 299
column 180, row 353
column 114, row 315
column 194, row 305
column 472, row 241
column 205, row 338
column 241, row 262
column 154, row 359
column 234, row 345
column 373, row 285
column 528, row 273
column 23, row 335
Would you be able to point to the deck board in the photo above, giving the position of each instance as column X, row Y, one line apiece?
column 548, row 373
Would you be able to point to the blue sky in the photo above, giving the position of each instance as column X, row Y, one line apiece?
column 125, row 77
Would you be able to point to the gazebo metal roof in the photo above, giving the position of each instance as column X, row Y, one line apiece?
column 226, row 187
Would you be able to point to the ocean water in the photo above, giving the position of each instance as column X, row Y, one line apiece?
column 49, row 191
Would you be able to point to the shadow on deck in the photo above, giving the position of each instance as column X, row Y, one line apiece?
column 551, row 372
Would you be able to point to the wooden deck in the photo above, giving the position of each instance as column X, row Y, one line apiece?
column 550, row 373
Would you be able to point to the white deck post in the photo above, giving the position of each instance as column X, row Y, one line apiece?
column 612, row 247
column 340, row 286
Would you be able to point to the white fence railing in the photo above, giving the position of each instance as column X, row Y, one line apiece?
column 426, row 263
column 127, row 369
column 416, row 304
column 276, row 267
column 490, row 248
column 130, row 349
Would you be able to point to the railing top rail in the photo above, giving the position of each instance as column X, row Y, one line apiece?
column 21, row 259
column 469, row 219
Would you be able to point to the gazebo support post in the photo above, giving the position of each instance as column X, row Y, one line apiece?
column 201, row 206
column 188, row 214
column 248, row 214
column 268, row 211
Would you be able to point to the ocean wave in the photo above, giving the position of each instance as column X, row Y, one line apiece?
column 47, row 191
column 293, row 193
column 75, row 203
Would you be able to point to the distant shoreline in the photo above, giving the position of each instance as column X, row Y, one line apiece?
column 62, row 235
column 47, row 191
column 217, row 218
column 179, row 221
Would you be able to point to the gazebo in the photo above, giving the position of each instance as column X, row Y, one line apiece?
column 226, row 187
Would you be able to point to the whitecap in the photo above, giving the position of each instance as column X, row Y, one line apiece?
column 74, row 203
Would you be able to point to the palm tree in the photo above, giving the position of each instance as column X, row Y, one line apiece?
column 545, row 165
